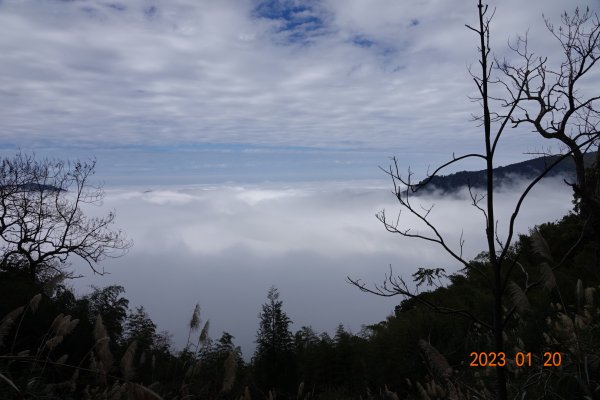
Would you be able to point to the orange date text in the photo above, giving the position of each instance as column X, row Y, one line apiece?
column 521, row 359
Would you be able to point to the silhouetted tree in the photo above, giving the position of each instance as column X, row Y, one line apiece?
column 553, row 100
column 140, row 327
column 112, row 306
column 500, row 270
column 274, row 357
column 41, row 221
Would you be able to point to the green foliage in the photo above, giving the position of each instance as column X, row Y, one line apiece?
column 140, row 328
column 273, row 360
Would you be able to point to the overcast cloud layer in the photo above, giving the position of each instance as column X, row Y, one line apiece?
column 146, row 76
column 224, row 247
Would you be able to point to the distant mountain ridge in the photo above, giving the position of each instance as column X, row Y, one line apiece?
column 504, row 175
column 33, row 187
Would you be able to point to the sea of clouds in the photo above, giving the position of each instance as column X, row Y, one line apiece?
column 224, row 246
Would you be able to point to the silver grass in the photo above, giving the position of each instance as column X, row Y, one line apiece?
column 102, row 345
column 204, row 333
column 64, row 325
column 127, row 368
column 540, row 246
column 194, row 324
column 422, row 393
column 195, row 320
column 547, row 275
column 35, row 302
column 139, row 392
column 518, row 297
column 71, row 326
column 230, row 366
column 56, row 322
column 300, row 391
column 589, row 296
column 8, row 321
column 389, row 394
column 63, row 359
column 246, row 395
column 579, row 291
column 435, row 360
column 11, row 384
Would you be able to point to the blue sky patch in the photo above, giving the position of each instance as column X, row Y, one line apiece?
column 299, row 21
column 362, row 41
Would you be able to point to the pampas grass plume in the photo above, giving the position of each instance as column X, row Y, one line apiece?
column 35, row 302
column 230, row 365
column 7, row 323
column 127, row 368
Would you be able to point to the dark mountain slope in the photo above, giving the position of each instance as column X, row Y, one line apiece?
column 505, row 175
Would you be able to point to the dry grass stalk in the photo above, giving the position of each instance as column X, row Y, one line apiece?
column 99, row 329
column 75, row 375
column 102, row 346
column 139, row 392
column 436, row 361
column 61, row 330
column 518, row 297
column 548, row 277
column 589, row 296
column 115, row 391
column 389, row 394
column 56, row 323
column 62, row 359
column 127, row 368
column 540, row 246
column 194, row 324
column 204, row 333
column 34, row 303
column 246, row 395
column 193, row 370
column 7, row 323
column 300, row 391
column 422, row 393
column 93, row 363
column 230, row 365
column 195, row 320
column 11, row 384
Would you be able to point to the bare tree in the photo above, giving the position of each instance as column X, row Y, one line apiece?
column 494, row 117
column 555, row 102
column 42, row 223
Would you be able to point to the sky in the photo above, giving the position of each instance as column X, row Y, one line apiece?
column 190, row 91
column 240, row 141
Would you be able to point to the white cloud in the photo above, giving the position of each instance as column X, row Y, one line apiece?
column 88, row 73
column 224, row 246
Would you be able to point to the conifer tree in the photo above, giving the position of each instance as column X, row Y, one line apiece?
column 274, row 355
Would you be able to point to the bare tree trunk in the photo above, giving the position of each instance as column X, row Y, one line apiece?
column 498, row 322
